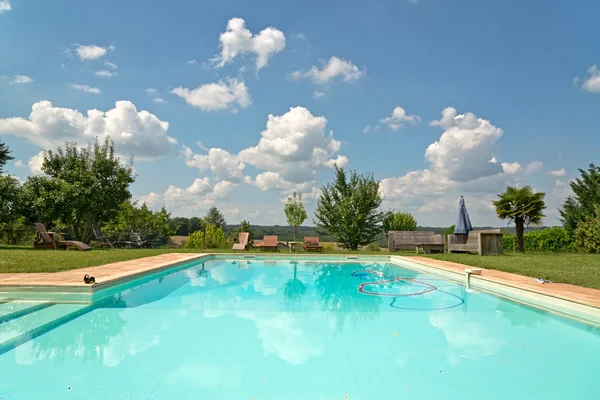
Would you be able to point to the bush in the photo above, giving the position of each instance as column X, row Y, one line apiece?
column 373, row 247
column 215, row 239
column 552, row 240
column 328, row 246
column 16, row 232
column 587, row 236
column 399, row 221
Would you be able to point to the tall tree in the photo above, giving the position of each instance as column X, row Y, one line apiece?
column 84, row 186
column 585, row 202
column 9, row 199
column 399, row 221
column 295, row 211
column 4, row 156
column 348, row 209
column 244, row 227
column 523, row 207
column 214, row 217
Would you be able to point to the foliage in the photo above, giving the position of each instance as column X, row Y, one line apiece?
column 555, row 239
column 399, row 221
column 9, row 198
column 348, row 209
column 84, row 186
column 522, row 206
column 214, row 217
column 295, row 211
column 587, row 236
column 214, row 239
column 373, row 247
column 4, row 156
column 449, row 230
column 327, row 246
column 585, row 202
column 184, row 226
column 150, row 225
column 244, row 227
column 283, row 232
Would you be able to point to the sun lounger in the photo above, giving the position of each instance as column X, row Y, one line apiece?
column 270, row 243
column 52, row 240
column 312, row 244
column 242, row 243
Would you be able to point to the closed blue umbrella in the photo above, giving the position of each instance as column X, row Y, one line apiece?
column 463, row 223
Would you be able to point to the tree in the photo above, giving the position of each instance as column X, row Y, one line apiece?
column 212, row 238
column 244, row 227
column 214, row 217
column 348, row 209
column 295, row 211
column 4, row 156
column 83, row 186
column 150, row 225
column 522, row 206
column 585, row 202
column 587, row 236
column 399, row 221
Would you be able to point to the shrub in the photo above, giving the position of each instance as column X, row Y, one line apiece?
column 587, row 236
column 373, row 247
column 552, row 240
column 215, row 239
column 328, row 246
column 399, row 221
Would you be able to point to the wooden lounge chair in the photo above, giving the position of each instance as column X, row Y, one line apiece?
column 311, row 243
column 101, row 240
column 138, row 243
column 270, row 243
column 242, row 241
column 52, row 240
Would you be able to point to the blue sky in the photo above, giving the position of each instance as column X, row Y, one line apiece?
column 236, row 104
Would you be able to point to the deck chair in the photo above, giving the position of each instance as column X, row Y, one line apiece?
column 51, row 240
column 138, row 243
column 270, row 243
column 102, row 240
column 312, row 244
column 242, row 243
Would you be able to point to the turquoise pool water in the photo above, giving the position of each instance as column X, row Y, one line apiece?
column 283, row 330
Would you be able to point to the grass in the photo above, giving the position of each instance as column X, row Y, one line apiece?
column 576, row 269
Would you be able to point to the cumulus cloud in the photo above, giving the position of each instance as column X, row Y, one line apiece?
column 216, row 96
column 335, row 67
column 558, row 173
column 534, row 167
column 591, row 83
column 135, row 132
column 152, row 200
column 155, row 96
column 35, row 163
column 85, row 88
column 21, row 79
column 398, row 119
column 237, row 40
column 104, row 73
column 91, row 52
column 191, row 62
column 290, row 150
column 5, row 6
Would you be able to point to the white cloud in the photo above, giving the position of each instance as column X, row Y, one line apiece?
column 216, row 96
column 290, row 150
column 511, row 168
column 19, row 164
column 201, row 146
column 232, row 212
column 35, row 163
column 191, row 62
column 159, row 100
column 135, row 132
column 198, row 196
column 91, row 52
column 85, row 88
column 367, row 129
column 254, row 214
column 331, row 69
column 591, row 83
column 151, row 91
column 237, row 40
column 111, row 65
column 21, row 79
column 5, row 6
column 559, row 173
column 533, row 167
column 152, row 200
column 399, row 118
column 317, row 94
column 104, row 73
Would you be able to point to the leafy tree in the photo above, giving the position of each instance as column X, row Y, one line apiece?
column 4, row 156
column 12, row 228
column 295, row 211
column 244, row 227
column 196, row 224
column 587, row 236
column 348, row 209
column 214, row 217
column 522, row 206
column 84, row 186
column 212, row 238
column 399, row 221
column 149, row 224
column 585, row 202
column 43, row 199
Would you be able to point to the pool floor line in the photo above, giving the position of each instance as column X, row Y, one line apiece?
column 23, row 312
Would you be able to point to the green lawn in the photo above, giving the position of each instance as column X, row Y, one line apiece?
column 577, row 269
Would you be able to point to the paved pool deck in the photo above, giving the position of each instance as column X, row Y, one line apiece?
column 109, row 273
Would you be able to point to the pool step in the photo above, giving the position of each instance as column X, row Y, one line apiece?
column 16, row 309
column 30, row 325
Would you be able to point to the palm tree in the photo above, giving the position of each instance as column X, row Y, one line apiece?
column 522, row 206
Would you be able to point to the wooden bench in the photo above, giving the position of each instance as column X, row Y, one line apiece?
column 407, row 240
column 484, row 242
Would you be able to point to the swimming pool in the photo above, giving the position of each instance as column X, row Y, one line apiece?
column 273, row 329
